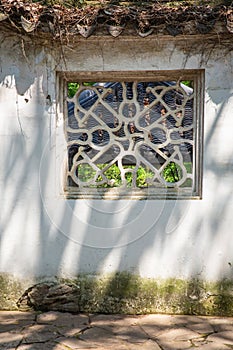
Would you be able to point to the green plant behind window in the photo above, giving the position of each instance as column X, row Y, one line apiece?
column 172, row 173
column 73, row 88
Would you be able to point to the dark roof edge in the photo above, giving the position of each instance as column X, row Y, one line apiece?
column 162, row 19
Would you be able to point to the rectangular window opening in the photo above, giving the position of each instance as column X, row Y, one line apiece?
column 135, row 137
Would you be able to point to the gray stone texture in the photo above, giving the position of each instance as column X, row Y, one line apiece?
column 61, row 331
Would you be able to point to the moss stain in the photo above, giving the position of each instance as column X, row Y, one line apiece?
column 130, row 294
column 10, row 290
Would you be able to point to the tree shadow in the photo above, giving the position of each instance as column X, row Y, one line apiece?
column 68, row 245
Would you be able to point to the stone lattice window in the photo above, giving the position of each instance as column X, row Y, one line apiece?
column 134, row 135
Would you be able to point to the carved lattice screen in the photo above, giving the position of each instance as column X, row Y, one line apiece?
column 131, row 136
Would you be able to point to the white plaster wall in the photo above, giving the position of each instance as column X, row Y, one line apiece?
column 42, row 234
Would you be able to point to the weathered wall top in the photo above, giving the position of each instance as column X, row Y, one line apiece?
column 163, row 17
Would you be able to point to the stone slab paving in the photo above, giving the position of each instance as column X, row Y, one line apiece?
column 65, row 331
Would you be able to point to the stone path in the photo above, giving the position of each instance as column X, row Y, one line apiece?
column 64, row 331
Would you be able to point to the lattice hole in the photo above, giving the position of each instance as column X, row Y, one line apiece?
column 131, row 135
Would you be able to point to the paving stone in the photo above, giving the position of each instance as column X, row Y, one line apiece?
column 99, row 347
column 222, row 338
column 41, row 346
column 156, row 324
column 74, row 343
column 213, row 346
column 15, row 321
column 153, row 325
column 11, row 345
column 124, row 339
column 199, row 342
column 178, row 334
column 39, row 333
column 185, row 319
column 209, row 321
column 133, row 334
column 201, row 328
column 222, row 324
column 148, row 345
column 66, row 323
column 109, row 347
column 124, row 327
column 175, row 345
column 50, row 317
column 153, row 331
column 10, row 339
column 113, row 320
column 99, row 336
column 16, row 315
column 62, row 331
column 199, row 324
column 157, row 320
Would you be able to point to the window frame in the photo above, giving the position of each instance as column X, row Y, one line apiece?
column 195, row 75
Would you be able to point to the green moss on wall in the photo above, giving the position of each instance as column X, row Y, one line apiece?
column 121, row 293
column 10, row 291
